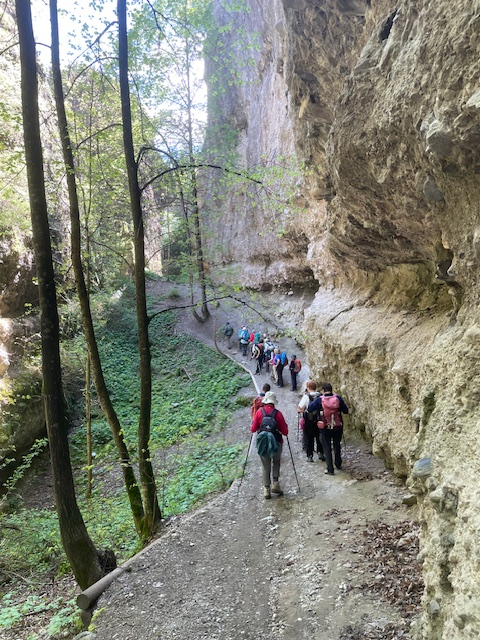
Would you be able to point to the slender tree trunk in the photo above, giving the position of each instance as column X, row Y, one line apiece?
column 202, row 279
column 131, row 484
column 78, row 546
column 88, row 427
column 197, row 231
column 147, row 478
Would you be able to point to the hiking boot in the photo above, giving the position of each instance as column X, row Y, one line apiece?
column 266, row 493
column 321, row 457
column 310, row 458
column 276, row 488
column 330, row 473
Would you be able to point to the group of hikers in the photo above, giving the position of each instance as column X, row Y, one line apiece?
column 319, row 411
column 264, row 351
column 320, row 417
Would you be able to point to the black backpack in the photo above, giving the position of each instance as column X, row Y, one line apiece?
column 269, row 423
column 311, row 417
column 268, row 436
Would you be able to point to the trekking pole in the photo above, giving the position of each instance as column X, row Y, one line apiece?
column 293, row 464
column 245, row 463
column 344, row 440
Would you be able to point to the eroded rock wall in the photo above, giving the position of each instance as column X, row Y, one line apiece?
column 381, row 102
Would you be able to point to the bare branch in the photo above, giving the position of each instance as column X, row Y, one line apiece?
column 94, row 135
column 201, row 166
column 214, row 299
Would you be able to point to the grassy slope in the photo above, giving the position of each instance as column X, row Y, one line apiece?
column 193, row 388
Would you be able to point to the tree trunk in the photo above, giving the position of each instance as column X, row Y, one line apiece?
column 147, row 478
column 80, row 550
column 202, row 276
column 131, row 484
column 202, row 279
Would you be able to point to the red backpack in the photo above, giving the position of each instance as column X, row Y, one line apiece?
column 332, row 418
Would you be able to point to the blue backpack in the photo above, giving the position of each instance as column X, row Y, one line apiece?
column 284, row 359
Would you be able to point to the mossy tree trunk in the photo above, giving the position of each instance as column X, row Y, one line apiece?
column 147, row 478
column 79, row 548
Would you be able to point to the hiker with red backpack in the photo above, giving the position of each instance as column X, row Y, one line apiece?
column 258, row 401
column 331, row 406
column 294, row 366
column 270, row 427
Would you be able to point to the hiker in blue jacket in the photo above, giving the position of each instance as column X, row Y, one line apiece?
column 243, row 339
column 331, row 406
column 282, row 363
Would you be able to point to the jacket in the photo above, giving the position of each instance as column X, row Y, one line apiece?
column 281, row 424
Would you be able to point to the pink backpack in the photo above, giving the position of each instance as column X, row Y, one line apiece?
column 332, row 418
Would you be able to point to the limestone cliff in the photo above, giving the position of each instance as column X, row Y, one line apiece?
column 380, row 102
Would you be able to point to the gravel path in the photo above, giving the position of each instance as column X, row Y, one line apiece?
column 307, row 564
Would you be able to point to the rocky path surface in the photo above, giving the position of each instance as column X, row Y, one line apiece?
column 333, row 560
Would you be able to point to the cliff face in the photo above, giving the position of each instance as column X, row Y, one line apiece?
column 379, row 102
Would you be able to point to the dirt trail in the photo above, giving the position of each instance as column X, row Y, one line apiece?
column 335, row 560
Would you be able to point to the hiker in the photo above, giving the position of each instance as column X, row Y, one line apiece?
column 244, row 339
column 273, row 364
column 270, row 463
column 257, row 354
column 257, row 403
column 228, row 333
column 311, row 432
column 268, row 350
column 281, row 364
column 331, row 424
column 294, row 366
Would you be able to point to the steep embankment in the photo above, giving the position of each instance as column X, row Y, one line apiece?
column 380, row 100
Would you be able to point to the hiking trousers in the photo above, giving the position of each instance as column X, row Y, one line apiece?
column 312, row 436
column 332, row 437
column 271, row 467
column 280, row 368
column 293, row 375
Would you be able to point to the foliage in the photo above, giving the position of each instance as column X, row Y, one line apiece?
column 189, row 464
column 63, row 613
column 203, row 470
column 30, row 543
column 20, row 397
column 173, row 294
column 35, row 450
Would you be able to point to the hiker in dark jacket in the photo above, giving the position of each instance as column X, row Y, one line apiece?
column 282, row 363
column 331, row 427
column 271, row 466
column 228, row 333
column 294, row 366
column 311, row 432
